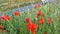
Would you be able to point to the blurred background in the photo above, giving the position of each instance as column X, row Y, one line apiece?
column 26, row 8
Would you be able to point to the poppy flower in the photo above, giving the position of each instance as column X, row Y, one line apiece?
column 34, row 32
column 38, row 5
column 31, row 26
column 28, row 20
column 6, row 18
column 1, row 27
column 49, row 20
column 45, row 32
column 39, row 13
column 3, row 31
column 16, row 13
column 37, row 16
column 42, row 21
column 35, row 6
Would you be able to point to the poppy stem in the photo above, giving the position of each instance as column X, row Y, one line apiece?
column 30, row 31
column 33, row 32
column 10, row 24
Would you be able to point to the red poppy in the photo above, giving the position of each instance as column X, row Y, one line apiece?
column 42, row 21
column 28, row 20
column 49, row 20
column 38, row 5
column 3, row 31
column 34, row 32
column 6, row 17
column 39, row 13
column 37, row 16
column 1, row 27
column 35, row 6
column 31, row 26
column 45, row 32
column 16, row 13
